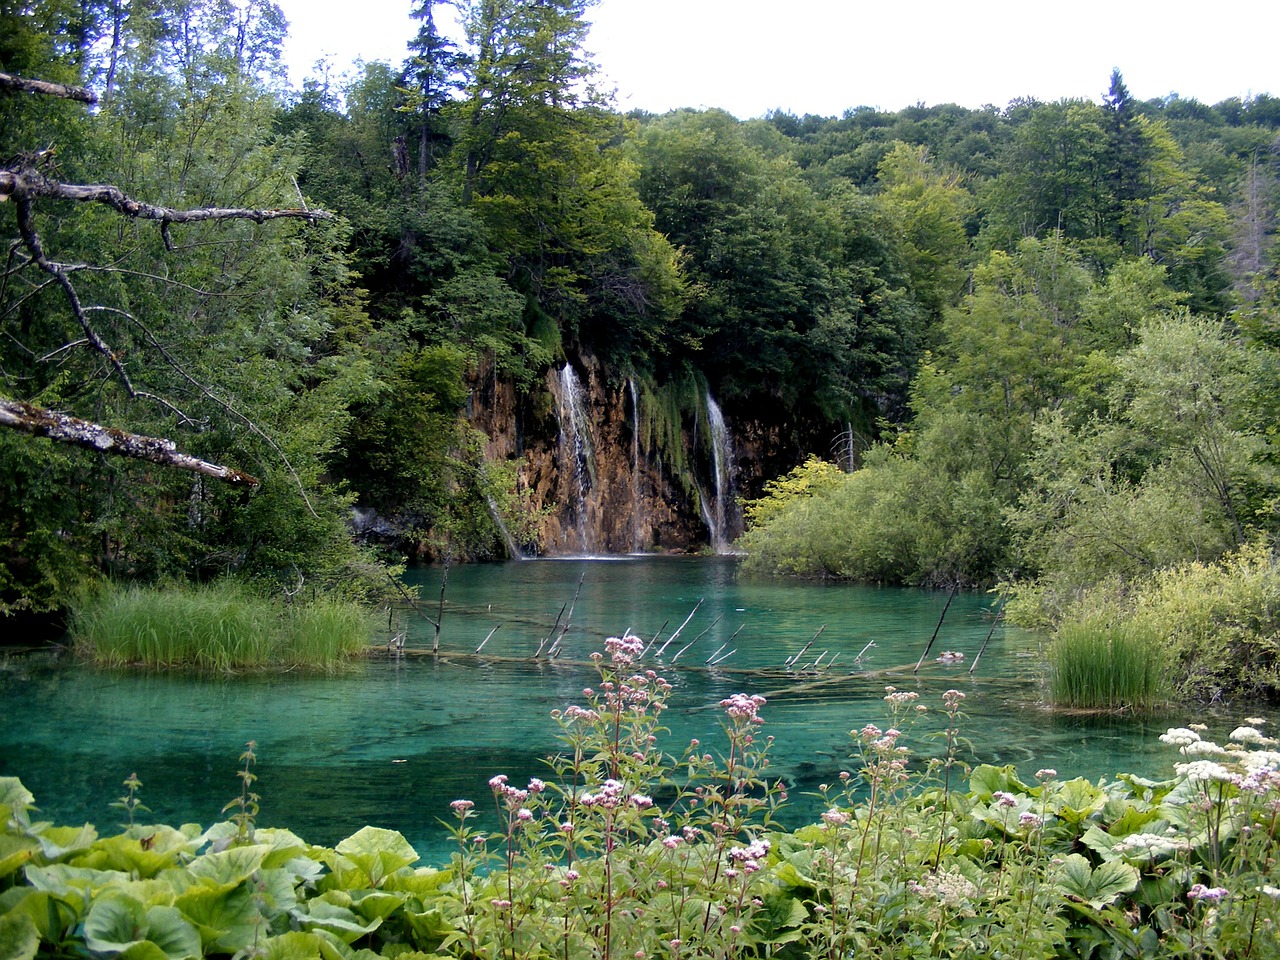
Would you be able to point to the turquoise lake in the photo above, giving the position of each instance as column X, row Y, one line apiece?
column 392, row 741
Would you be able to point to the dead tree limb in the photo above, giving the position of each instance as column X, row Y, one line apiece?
column 27, row 184
column 24, row 85
column 94, row 436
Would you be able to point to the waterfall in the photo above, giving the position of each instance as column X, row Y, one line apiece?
column 637, row 530
column 513, row 549
column 720, row 514
column 576, row 451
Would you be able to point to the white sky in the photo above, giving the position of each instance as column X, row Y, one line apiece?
column 823, row 56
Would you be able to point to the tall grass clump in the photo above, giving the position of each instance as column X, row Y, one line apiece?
column 1096, row 663
column 222, row 626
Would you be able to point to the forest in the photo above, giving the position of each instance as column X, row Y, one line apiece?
column 1030, row 347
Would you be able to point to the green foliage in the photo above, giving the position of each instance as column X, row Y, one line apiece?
column 805, row 480
column 220, row 627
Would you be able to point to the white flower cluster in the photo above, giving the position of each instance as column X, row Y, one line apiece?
column 948, row 887
column 1146, row 846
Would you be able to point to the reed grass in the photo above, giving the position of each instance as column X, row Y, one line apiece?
column 1098, row 664
column 223, row 626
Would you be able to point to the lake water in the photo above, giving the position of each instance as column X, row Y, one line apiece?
column 395, row 739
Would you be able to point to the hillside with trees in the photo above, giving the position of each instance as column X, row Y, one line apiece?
column 1032, row 344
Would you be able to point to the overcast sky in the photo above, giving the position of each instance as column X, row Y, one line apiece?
column 824, row 56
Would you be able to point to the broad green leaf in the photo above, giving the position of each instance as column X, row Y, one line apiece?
column 377, row 904
column 320, row 914
column 986, row 780
column 77, row 886
column 120, row 924
column 52, row 917
column 421, row 883
column 430, row 926
column 378, row 852
column 294, row 945
column 14, row 795
column 144, row 950
column 227, row 920
column 282, row 846
column 1099, row 887
column 228, row 868
column 19, row 938
column 1077, row 800
column 59, row 842
column 15, row 852
column 141, row 851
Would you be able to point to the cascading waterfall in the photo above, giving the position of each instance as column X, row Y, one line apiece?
column 513, row 549
column 637, row 530
column 576, row 448
column 720, row 513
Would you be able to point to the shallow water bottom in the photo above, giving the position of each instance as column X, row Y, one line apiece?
column 395, row 739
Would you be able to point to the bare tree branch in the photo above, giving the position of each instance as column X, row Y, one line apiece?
column 10, row 82
column 28, row 185
column 94, row 436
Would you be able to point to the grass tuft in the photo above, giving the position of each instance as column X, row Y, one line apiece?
column 218, row 627
column 1097, row 664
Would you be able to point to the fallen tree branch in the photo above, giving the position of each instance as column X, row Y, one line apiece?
column 23, row 85
column 94, row 436
column 28, row 185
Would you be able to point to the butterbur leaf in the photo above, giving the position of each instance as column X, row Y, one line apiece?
column 320, row 915
column 294, row 945
column 143, row 855
column 378, row 852
column 227, row 920
column 19, row 939
column 986, row 780
column 59, row 842
column 15, row 853
column 119, row 924
column 282, row 846
column 229, row 868
column 1077, row 800
column 430, row 926
column 1097, row 887
column 14, row 795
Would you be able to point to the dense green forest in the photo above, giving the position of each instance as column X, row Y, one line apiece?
column 1033, row 344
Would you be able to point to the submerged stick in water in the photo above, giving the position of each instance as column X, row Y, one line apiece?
column 791, row 662
column 662, row 649
column 486, row 639
column 954, row 588
column 994, row 623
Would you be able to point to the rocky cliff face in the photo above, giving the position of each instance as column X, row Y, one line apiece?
column 604, row 471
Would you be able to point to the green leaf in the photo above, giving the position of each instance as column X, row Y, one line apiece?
column 14, row 795
column 15, row 852
column 59, row 842
column 229, row 867
column 1097, row 887
column 227, row 919
column 121, row 924
column 986, row 780
column 1077, row 800
column 322, row 915
column 19, row 939
column 378, row 852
